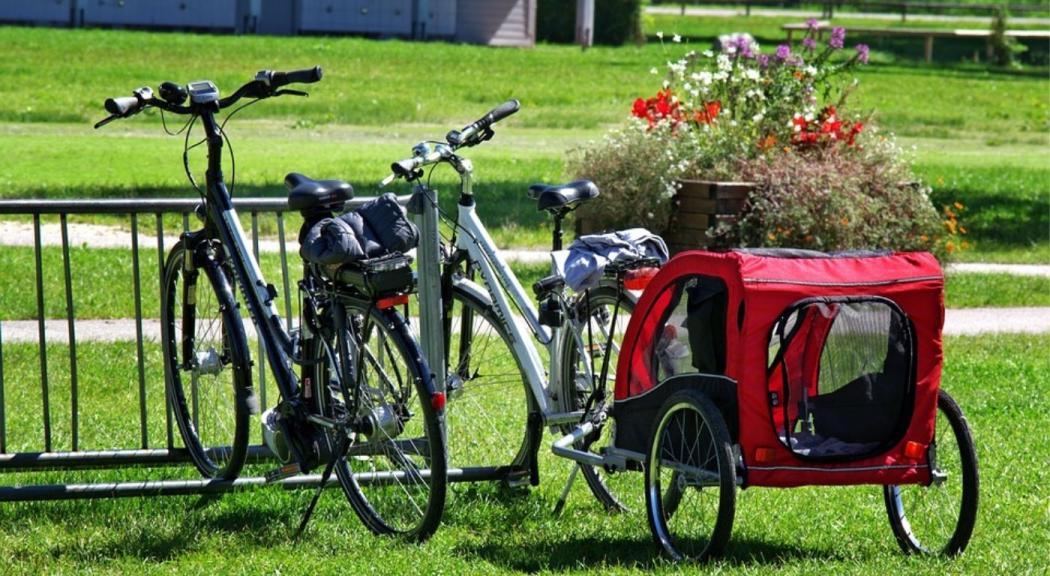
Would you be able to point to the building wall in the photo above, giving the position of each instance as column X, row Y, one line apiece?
column 161, row 13
column 496, row 22
column 384, row 17
column 36, row 11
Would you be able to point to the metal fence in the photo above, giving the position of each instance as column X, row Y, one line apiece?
column 903, row 8
column 149, row 451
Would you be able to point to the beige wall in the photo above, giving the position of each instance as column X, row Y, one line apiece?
column 496, row 22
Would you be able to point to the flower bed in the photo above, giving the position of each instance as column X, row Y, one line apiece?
column 824, row 176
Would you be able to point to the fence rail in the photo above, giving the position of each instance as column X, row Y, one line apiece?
column 828, row 7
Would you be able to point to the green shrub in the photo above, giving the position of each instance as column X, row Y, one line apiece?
column 615, row 21
column 838, row 198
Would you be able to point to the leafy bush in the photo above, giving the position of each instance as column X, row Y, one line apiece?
column 837, row 199
column 616, row 22
column 636, row 179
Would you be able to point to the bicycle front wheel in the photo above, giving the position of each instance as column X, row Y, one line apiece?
column 939, row 518
column 597, row 334
column 394, row 472
column 488, row 397
column 206, row 361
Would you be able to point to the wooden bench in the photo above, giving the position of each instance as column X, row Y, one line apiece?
column 927, row 34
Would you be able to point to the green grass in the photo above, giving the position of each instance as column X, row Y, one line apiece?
column 1000, row 381
column 966, row 290
column 990, row 153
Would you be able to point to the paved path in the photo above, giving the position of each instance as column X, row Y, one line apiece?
column 803, row 14
column 14, row 233
column 957, row 322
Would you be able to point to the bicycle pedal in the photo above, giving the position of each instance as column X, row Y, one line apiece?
column 286, row 471
column 517, row 478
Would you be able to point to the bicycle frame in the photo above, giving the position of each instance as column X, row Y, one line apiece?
column 474, row 244
column 221, row 219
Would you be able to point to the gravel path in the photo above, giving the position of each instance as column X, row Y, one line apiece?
column 962, row 321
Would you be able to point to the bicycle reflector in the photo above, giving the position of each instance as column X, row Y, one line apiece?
column 437, row 401
column 390, row 302
column 764, row 455
column 914, row 450
column 639, row 279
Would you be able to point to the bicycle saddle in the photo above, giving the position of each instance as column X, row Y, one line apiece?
column 563, row 196
column 307, row 194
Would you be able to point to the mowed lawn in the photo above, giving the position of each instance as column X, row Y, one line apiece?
column 1000, row 381
column 980, row 136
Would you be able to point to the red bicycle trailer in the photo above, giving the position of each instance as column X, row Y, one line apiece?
column 787, row 368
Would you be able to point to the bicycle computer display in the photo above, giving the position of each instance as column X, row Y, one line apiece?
column 203, row 91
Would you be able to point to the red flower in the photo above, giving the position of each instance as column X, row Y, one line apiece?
column 708, row 114
column 640, row 109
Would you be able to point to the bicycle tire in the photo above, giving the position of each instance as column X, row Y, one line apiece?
column 212, row 418
column 899, row 499
column 488, row 411
column 688, row 538
column 615, row 491
column 381, row 475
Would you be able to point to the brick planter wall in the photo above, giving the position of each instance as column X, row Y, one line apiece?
column 701, row 205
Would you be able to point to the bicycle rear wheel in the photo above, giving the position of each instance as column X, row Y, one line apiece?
column 394, row 472
column 939, row 518
column 617, row 491
column 207, row 363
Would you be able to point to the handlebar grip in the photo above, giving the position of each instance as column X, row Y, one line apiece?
column 405, row 167
column 122, row 106
column 495, row 115
column 306, row 76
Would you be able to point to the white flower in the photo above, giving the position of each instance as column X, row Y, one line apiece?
column 676, row 38
column 660, row 34
column 752, row 74
column 811, row 70
column 757, row 117
column 708, row 54
column 666, row 83
column 653, row 70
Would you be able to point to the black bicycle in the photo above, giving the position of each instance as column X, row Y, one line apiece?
column 364, row 403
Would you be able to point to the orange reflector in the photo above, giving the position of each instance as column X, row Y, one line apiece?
column 639, row 279
column 914, row 450
column 437, row 401
column 392, row 301
column 764, row 455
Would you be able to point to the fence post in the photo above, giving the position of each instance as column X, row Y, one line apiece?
column 73, row 392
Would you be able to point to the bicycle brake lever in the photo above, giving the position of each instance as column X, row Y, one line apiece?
column 107, row 120
column 284, row 92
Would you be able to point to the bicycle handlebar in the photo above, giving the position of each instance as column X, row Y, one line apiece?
column 305, row 76
column 265, row 85
column 472, row 134
column 495, row 115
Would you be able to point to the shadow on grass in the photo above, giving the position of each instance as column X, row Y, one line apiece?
column 537, row 555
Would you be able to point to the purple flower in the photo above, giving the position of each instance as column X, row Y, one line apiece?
column 812, row 24
column 862, row 53
column 809, row 43
column 838, row 37
column 783, row 51
column 763, row 61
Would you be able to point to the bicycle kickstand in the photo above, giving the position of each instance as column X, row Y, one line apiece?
column 560, row 505
column 324, row 482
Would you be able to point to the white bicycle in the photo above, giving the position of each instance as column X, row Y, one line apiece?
column 510, row 367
